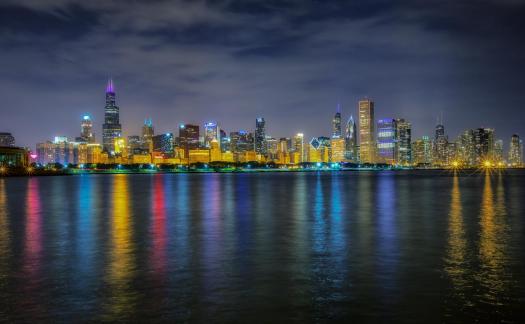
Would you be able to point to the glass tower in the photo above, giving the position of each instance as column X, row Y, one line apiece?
column 111, row 128
column 260, row 137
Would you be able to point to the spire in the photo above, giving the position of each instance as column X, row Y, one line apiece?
column 109, row 87
column 338, row 109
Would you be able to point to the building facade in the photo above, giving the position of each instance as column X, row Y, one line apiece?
column 367, row 139
column 111, row 128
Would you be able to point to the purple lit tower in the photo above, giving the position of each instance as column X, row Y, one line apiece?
column 111, row 128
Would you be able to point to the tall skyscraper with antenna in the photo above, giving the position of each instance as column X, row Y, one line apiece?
column 336, row 123
column 111, row 128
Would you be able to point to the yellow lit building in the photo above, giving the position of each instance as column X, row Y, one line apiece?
column 121, row 146
column 141, row 159
column 227, row 156
column 337, row 146
column 247, row 156
column 215, row 151
column 199, row 155
column 367, row 131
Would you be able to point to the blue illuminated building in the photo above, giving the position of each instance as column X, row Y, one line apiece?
column 386, row 140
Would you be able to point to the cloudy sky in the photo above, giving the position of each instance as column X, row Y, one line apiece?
column 288, row 61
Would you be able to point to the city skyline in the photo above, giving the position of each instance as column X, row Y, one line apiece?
column 290, row 63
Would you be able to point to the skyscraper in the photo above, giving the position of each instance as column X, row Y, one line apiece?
column 386, row 140
column 422, row 151
column 367, row 131
column 147, row 135
column 6, row 139
column 403, row 142
column 86, row 130
column 298, row 146
column 260, row 137
column 111, row 128
column 484, row 145
column 337, row 149
column 351, row 140
column 336, row 123
column 211, row 131
column 163, row 143
column 188, row 137
column 440, row 145
column 515, row 151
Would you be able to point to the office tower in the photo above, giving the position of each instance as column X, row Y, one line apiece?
column 440, row 146
column 65, row 151
column 319, row 149
column 163, row 143
column 422, row 152
column 111, row 128
column 120, row 147
column 386, row 140
column 6, row 139
column 135, row 145
column 260, row 136
column 298, row 146
column 351, row 140
column 272, row 148
column 211, row 131
column 403, row 142
column 188, row 137
column 282, row 151
column 224, row 141
column 498, row 151
column 45, row 152
column 484, row 145
column 452, row 152
column 241, row 141
column 465, row 146
column 337, row 149
column 147, row 135
column 367, row 140
column 515, row 151
column 86, row 130
column 336, row 123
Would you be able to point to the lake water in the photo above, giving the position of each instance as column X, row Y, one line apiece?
column 264, row 247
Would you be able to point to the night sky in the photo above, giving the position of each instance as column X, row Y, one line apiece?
column 288, row 61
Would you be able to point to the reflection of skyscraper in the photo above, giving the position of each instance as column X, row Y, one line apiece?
column 111, row 128
column 336, row 123
column 367, row 131
column 147, row 135
column 351, row 140
column 386, row 140
column 260, row 136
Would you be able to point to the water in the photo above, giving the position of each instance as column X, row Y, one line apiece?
column 267, row 247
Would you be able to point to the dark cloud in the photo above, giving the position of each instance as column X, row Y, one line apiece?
column 289, row 61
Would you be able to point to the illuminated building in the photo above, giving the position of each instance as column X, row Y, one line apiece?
column 273, row 148
column 319, row 150
column 298, row 147
column 515, row 151
column 282, row 151
column 147, row 135
column 111, row 128
column 422, row 152
column 241, row 142
column 452, row 153
column 211, row 131
column 367, row 140
column 120, row 147
column 465, row 147
column 260, row 136
column 386, row 140
column 215, row 150
column 351, row 140
column 440, row 146
column 188, row 137
column 498, row 151
column 484, row 145
column 337, row 148
column 199, row 155
column 403, row 142
column 45, row 152
column 227, row 156
column 247, row 156
column 224, row 141
column 163, row 143
column 135, row 145
column 82, row 155
column 94, row 154
column 336, row 123
column 13, row 156
column 141, row 159
column 6, row 139
column 86, row 130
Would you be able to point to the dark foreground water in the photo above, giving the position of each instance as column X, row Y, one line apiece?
column 268, row 247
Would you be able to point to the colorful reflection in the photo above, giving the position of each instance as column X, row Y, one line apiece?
column 493, row 239
column 33, row 229
column 455, row 261
column 158, row 228
column 5, row 239
column 122, row 253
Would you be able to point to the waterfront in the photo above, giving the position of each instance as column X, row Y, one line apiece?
column 416, row 246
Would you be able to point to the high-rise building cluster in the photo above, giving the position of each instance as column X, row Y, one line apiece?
column 369, row 141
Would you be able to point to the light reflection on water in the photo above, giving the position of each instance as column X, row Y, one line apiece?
column 263, row 247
